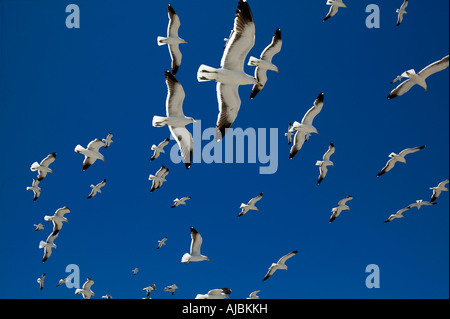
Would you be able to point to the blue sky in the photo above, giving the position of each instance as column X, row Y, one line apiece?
column 61, row 87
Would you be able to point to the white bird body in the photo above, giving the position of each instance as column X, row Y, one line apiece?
column 225, row 76
column 419, row 203
column 263, row 64
column 335, row 5
column 253, row 295
column 221, row 293
column 416, row 78
column 91, row 153
column 176, row 121
column 86, row 291
column 194, row 254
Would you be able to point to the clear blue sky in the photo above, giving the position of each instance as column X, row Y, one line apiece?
column 61, row 87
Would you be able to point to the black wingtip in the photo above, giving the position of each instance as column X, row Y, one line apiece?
column 170, row 76
column 278, row 34
column 170, row 9
column 244, row 9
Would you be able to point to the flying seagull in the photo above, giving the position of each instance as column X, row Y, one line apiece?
column 418, row 78
column 253, row 295
column 437, row 190
column 398, row 78
column 43, row 168
column 289, row 134
column 306, row 127
column 47, row 246
column 398, row 158
column 159, row 178
column 91, row 154
column 38, row 227
column 231, row 74
column 171, row 288
column 335, row 5
column 58, row 219
column 86, row 291
column 135, row 271
column 221, row 293
column 182, row 201
column 264, row 63
column 196, row 244
column 35, row 188
column 279, row 265
column 397, row 215
column 96, row 188
column 176, row 120
column 107, row 296
column 149, row 289
column 401, row 12
column 250, row 205
column 108, row 140
column 172, row 39
column 419, row 203
column 340, row 207
column 159, row 149
column 325, row 162
column 63, row 281
column 40, row 281
column 161, row 242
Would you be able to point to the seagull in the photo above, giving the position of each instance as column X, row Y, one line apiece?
column 86, row 290
column 194, row 254
column 161, row 242
column 172, row 39
column 35, row 188
column 181, row 201
column 397, row 215
column 253, row 295
column 231, row 74
column 149, row 289
column 96, row 188
column 171, row 288
column 159, row 178
column 108, row 140
column 135, row 271
column 107, row 296
column 418, row 78
column 63, row 281
column 250, row 205
column 91, row 154
column 437, row 190
column 335, row 5
column 58, row 219
column 43, row 168
column 221, row 293
column 289, row 134
column 279, row 265
column 398, row 78
column 398, row 158
column 159, row 149
column 47, row 246
column 419, row 203
column 325, row 162
column 264, row 63
column 176, row 120
column 40, row 281
column 401, row 12
column 305, row 128
column 38, row 226
column 340, row 207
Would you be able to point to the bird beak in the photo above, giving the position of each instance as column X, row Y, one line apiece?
column 228, row 297
column 208, row 260
column 195, row 121
column 260, row 84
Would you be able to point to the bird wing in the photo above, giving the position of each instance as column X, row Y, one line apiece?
column 164, row 143
column 174, row 23
column 314, row 110
column 229, row 104
column 389, row 165
column 242, row 39
column 331, row 150
column 273, row 48
column 286, row 257
column 261, row 77
column 48, row 160
column 435, row 67
column 87, row 285
column 404, row 5
column 87, row 162
column 196, row 242
column 299, row 139
column 175, row 96
column 401, row 89
column 271, row 271
column 343, row 201
column 95, row 145
column 333, row 10
column 323, row 172
column 185, row 142
column 410, row 150
column 253, row 201
column 442, row 184
column 253, row 294
column 92, row 193
column 161, row 172
column 60, row 212
column 101, row 184
column 176, row 56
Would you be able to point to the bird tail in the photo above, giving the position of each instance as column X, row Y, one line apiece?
column 318, row 163
column 79, row 148
column 42, row 244
column 329, row 2
column 161, row 40
column 158, row 121
column 185, row 258
column 206, row 73
column 253, row 61
column 295, row 126
column 34, row 166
